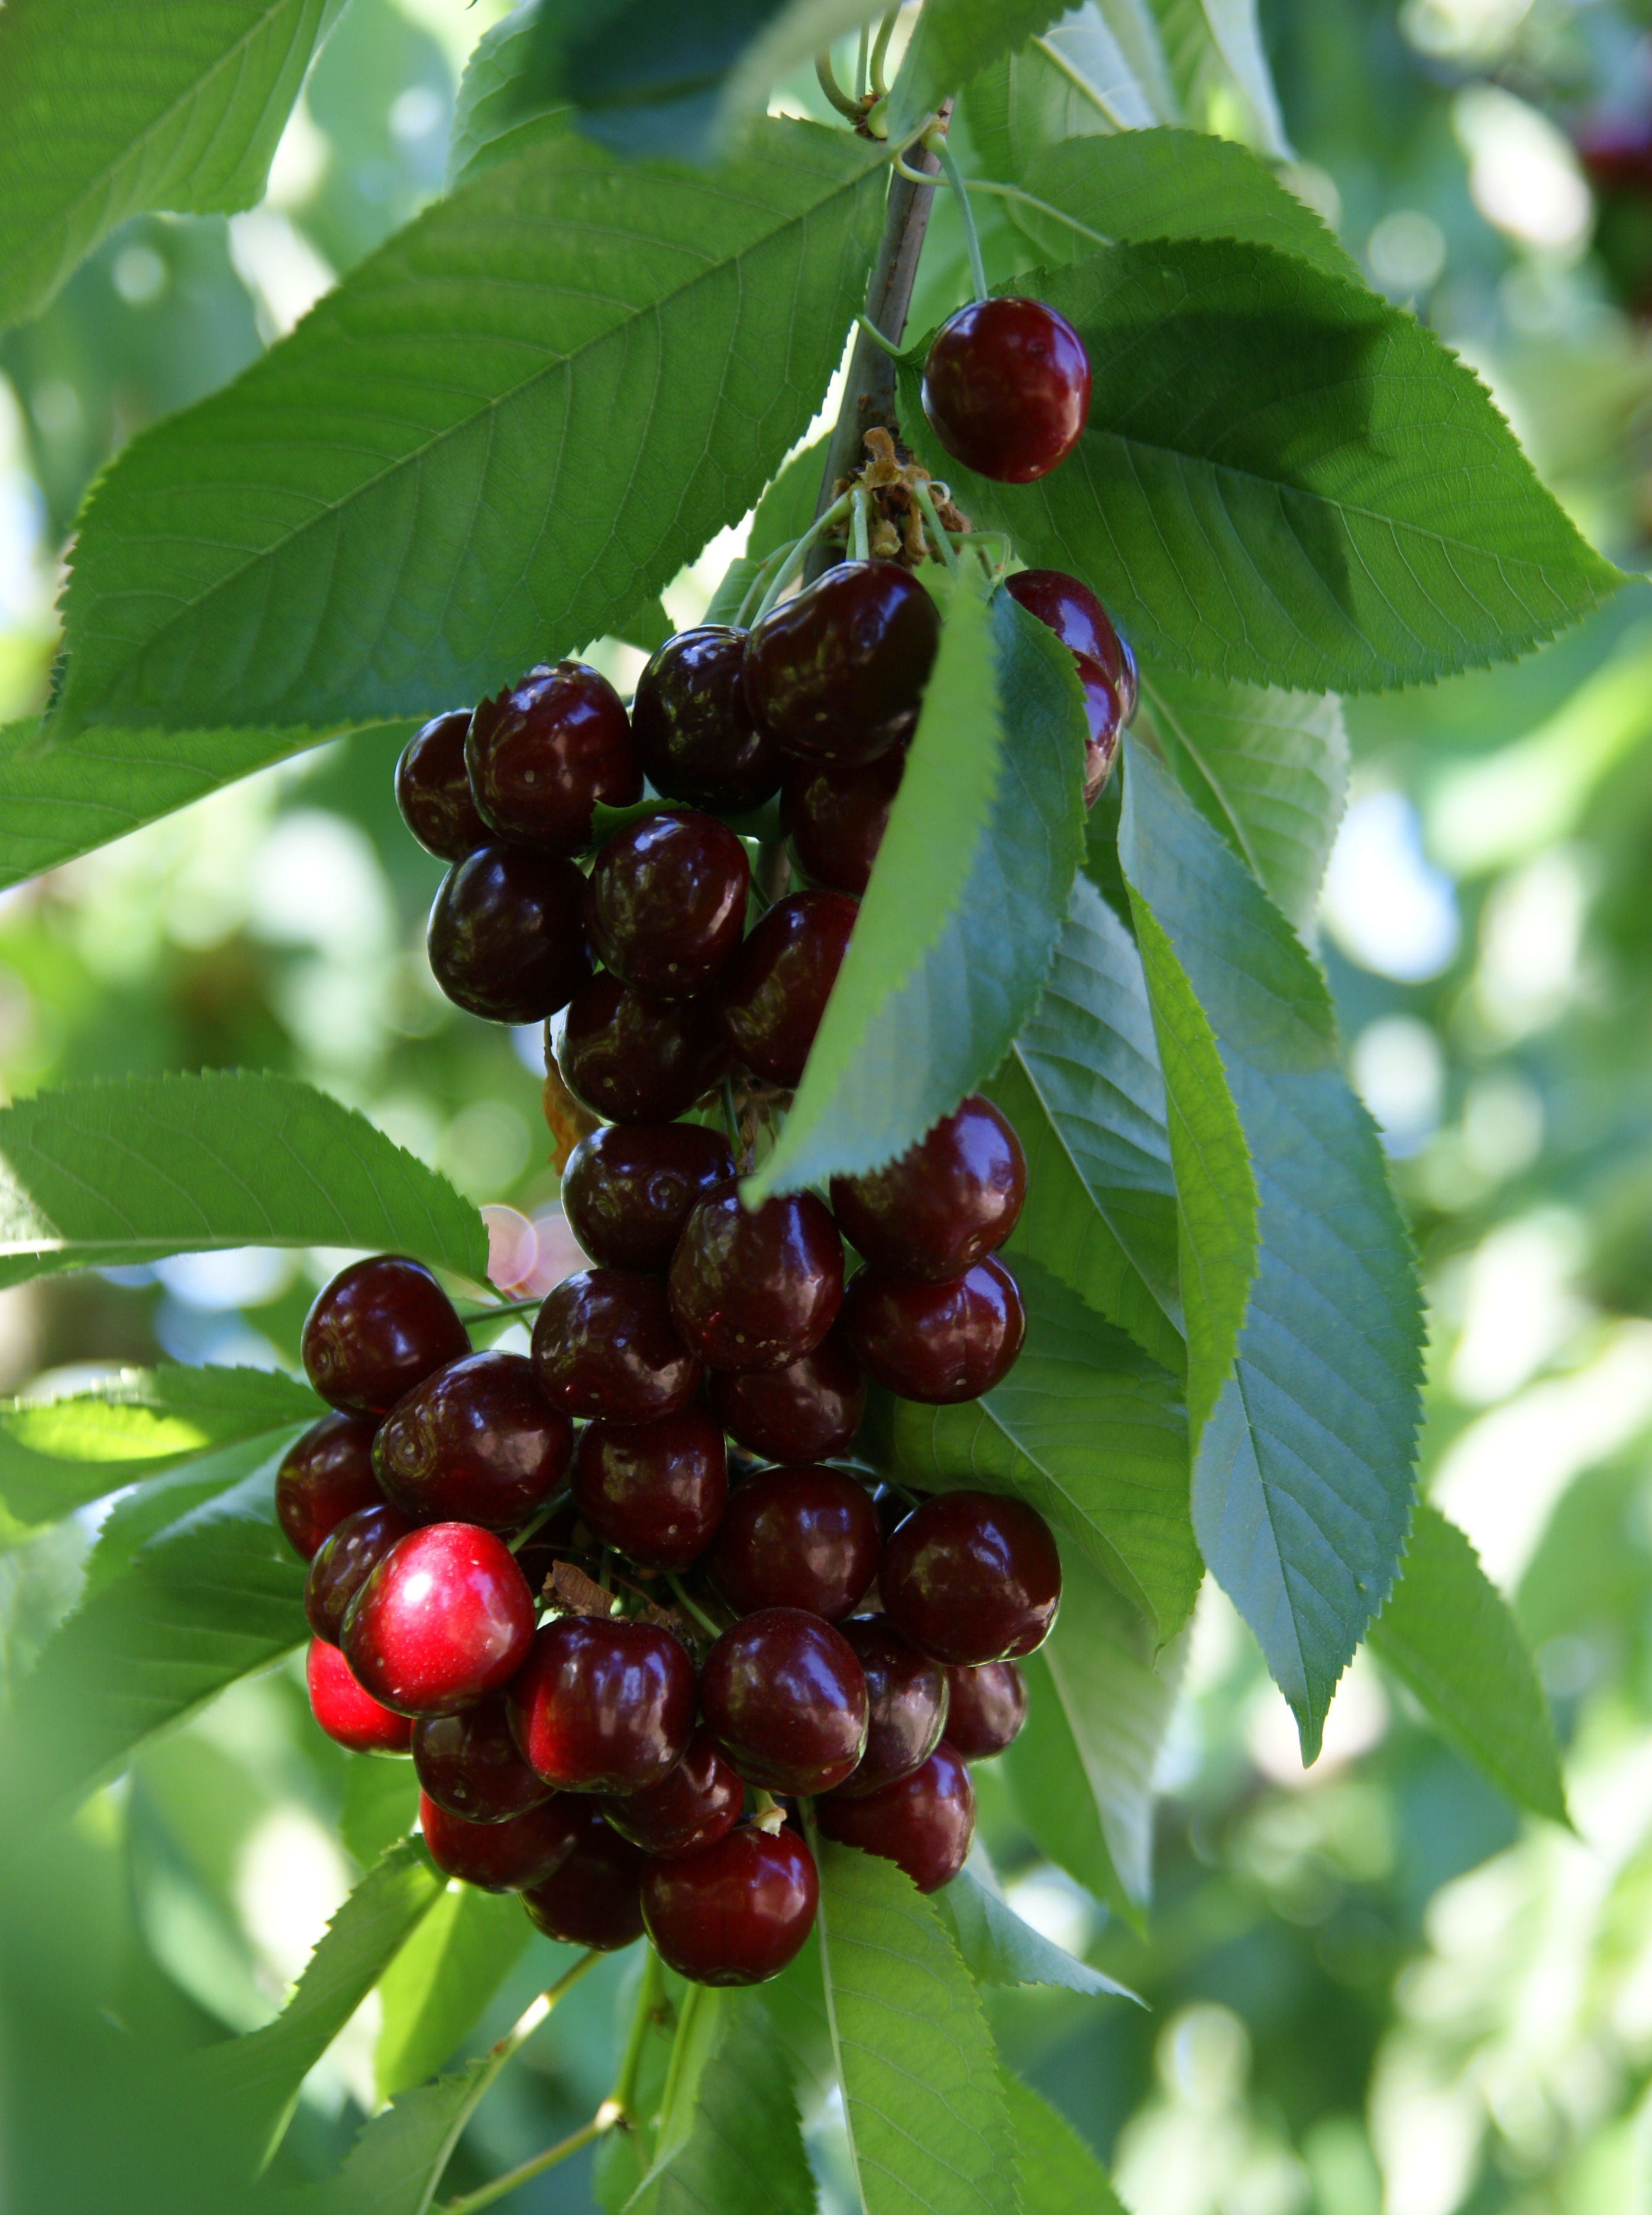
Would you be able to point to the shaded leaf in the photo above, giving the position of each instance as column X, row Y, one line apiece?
column 381, row 1805
column 1060, row 2174
column 744, row 2155
column 442, row 1979
column 491, row 119
column 998, row 1949
column 396, row 2162
column 952, row 41
column 161, row 1501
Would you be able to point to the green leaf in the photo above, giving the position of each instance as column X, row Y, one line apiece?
column 502, row 431
column 1449, row 1634
column 961, row 920
column 1060, row 2174
column 1303, row 1431
column 107, row 110
column 440, row 1981
column 95, row 1175
column 1098, row 71
column 491, row 120
column 998, row 1949
column 745, row 2153
column 952, row 42
column 381, row 1805
column 397, row 2160
column 1283, row 480
column 784, row 514
column 1214, row 39
column 159, row 1502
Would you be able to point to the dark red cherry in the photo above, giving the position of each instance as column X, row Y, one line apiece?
column 595, row 1898
column 972, row 1577
column 470, row 1765
column 543, row 753
column 1072, row 611
column 837, row 673
column 665, row 904
column 947, row 1202
column 604, row 1706
column 477, row 1443
column 506, row 940
column 755, row 1288
column 1006, row 389
column 433, row 792
column 836, row 817
column 350, row 1717
column 906, row 1704
column 695, row 735
column 636, row 1060
column 654, row 1490
column 985, row 1708
column 736, row 1912
column 936, row 1343
column 328, row 1473
column 807, row 1411
column 774, row 991
column 444, row 1619
column 378, row 1328
column 503, row 1857
column 604, row 1345
column 782, row 1694
column 923, row 1823
column 804, row 1538
column 1102, row 723
column 344, row 1561
column 698, row 1804
column 627, row 1192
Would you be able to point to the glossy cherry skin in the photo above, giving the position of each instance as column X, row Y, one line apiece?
column 1072, row 611
column 972, row 1577
column 665, row 903
column 755, row 1288
column 328, row 1473
column 736, row 1912
column 985, row 1708
column 444, row 1619
column 656, row 1490
column 836, row 817
column 1103, row 724
column 378, row 1328
column 470, row 1765
column 477, row 1443
column 627, row 1192
column 784, row 1696
column 604, row 1345
column 906, row 1704
column 947, row 1202
column 837, row 673
column 775, row 989
column 345, row 1560
column 543, row 753
column 695, row 735
column 807, row 1411
column 350, row 1717
column 505, row 1857
column 433, row 791
column 1006, row 389
column 637, row 1060
column 604, row 1706
column 698, row 1804
column 506, row 938
column 923, row 1823
column 936, row 1343
column 804, row 1538
column 595, row 1898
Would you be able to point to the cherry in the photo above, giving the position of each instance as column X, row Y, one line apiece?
column 594, row 1900
column 477, row 1443
column 470, row 1765
column 1072, row 611
column 654, row 1490
column 604, row 1706
column 350, row 1717
column 906, row 1704
column 545, row 751
column 604, row 1345
column 328, row 1473
column 805, row 1412
column 985, row 1708
column 782, row 1694
column 923, row 1823
column 502, row 1856
column 1006, row 389
column 736, row 1912
column 945, row 1203
column 1102, row 723
column 446, row 1618
column 755, row 1288
column 636, row 1060
column 936, row 1343
column 797, row 1538
column 775, row 989
column 972, row 1577
column 344, row 1561
column 836, row 817
column 433, row 792
column 505, row 938
column 694, row 732
column 692, row 1808
column 378, row 1328
column 665, row 904
column 837, row 673
column 627, row 1192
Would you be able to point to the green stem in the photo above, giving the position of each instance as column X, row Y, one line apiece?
column 758, row 585
column 692, row 1606
column 557, row 1500
column 499, row 1308
column 880, row 52
column 860, row 65
column 650, row 1992
column 884, row 345
column 942, row 543
column 1043, row 207
column 833, row 91
column 954, row 176
column 817, row 530
column 859, row 543
column 496, row 2187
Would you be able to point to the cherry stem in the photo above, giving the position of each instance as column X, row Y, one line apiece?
column 942, row 542
column 513, row 2041
column 859, row 544
column 860, row 64
column 871, row 331
column 768, row 1814
column 650, row 1993
column 880, row 52
column 812, row 537
column 692, row 1606
column 501, row 1308
column 557, row 1500
column 1041, row 207
column 758, row 585
column 936, row 143
column 833, row 91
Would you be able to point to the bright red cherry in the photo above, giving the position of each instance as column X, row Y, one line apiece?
column 344, row 1561
column 775, row 989
column 807, row 1411
column 797, row 1538
column 503, row 1857
column 755, row 1288
column 477, row 1443
column 604, row 1706
column 636, row 1060
column 972, row 1577
column 985, row 1708
column 837, row 673
column 328, row 1473
column 470, row 1765
column 433, row 792
column 378, row 1328
column 698, row 1804
column 836, row 817
column 923, row 1823
column 444, row 1619
column 350, row 1717
column 936, row 1343
column 1072, row 611
column 627, row 1191
column 784, row 1696
column 604, row 1345
column 543, row 753
column 906, row 1704
column 665, row 904
column 506, row 939
column 945, row 1203
column 694, row 732
column 736, row 1912
column 654, row 1490
column 595, row 1898
column 1006, row 389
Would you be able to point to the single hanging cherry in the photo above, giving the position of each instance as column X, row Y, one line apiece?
column 805, row 1537
column 836, row 817
column 478, row 1442
column 784, row 1696
column 985, row 1708
column 696, row 1805
column 972, row 1577
column 696, row 736
column 506, row 940
column 922, row 1822
column 945, row 1203
column 665, row 904
column 939, row 1344
column 543, row 753
column 808, row 1411
column 470, row 1765
column 326, row 1475
column 446, row 1618
column 628, row 1190
column 737, row 1911
column 349, row 1715
column 433, row 789
column 604, row 1346
column 1006, row 389
column 775, row 991
column 638, row 1060
column 376, row 1330
column 654, row 1490
column 755, row 1288
column 838, row 672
